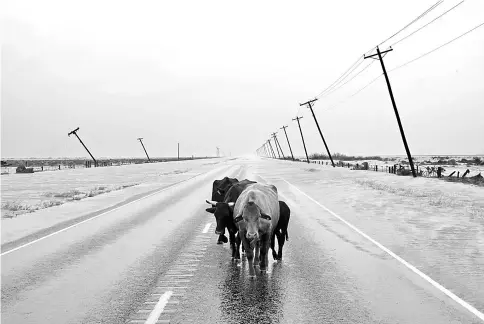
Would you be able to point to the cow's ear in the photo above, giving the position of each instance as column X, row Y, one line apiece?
column 238, row 218
column 210, row 210
column 265, row 216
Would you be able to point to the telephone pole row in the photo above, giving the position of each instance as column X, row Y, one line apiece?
column 302, row 137
column 309, row 103
column 290, row 149
column 402, row 133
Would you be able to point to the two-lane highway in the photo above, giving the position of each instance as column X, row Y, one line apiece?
column 156, row 261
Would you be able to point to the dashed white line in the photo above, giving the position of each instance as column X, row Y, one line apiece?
column 444, row 290
column 156, row 312
column 205, row 229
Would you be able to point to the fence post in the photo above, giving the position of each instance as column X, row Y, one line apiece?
column 458, row 173
column 376, row 168
column 59, row 166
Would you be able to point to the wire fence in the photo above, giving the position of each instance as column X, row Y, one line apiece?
column 422, row 170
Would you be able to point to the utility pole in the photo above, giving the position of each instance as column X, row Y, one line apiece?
column 290, row 149
column 275, row 143
column 273, row 154
column 266, row 150
column 218, row 151
column 380, row 58
column 297, row 118
column 277, row 149
column 141, row 141
column 75, row 133
column 309, row 103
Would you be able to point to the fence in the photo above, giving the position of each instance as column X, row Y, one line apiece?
column 399, row 169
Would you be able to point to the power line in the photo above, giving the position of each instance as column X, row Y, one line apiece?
column 437, row 48
column 355, row 93
column 343, row 75
column 366, row 67
column 427, row 24
column 413, row 21
column 334, row 86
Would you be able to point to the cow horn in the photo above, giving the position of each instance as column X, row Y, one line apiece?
column 211, row 202
column 238, row 219
column 231, row 204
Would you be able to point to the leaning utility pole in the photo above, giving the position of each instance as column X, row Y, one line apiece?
column 75, row 133
column 141, row 141
column 309, row 103
column 273, row 154
column 277, row 149
column 266, row 149
column 409, row 156
column 297, row 118
column 290, row 149
column 277, row 144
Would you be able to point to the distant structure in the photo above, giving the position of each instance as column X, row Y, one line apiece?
column 218, row 151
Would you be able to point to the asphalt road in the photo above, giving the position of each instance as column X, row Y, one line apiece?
column 156, row 261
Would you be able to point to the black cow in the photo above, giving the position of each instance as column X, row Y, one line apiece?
column 223, row 212
column 219, row 189
column 281, row 230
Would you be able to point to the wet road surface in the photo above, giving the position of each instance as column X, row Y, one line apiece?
column 119, row 268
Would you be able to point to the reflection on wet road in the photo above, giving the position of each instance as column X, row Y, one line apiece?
column 117, row 269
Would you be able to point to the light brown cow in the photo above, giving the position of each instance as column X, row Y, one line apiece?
column 256, row 214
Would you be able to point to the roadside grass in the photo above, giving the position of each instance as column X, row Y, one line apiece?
column 11, row 209
column 429, row 197
column 344, row 157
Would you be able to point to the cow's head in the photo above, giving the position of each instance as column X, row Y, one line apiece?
column 253, row 222
column 223, row 213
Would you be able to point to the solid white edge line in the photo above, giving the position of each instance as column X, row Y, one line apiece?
column 156, row 312
column 94, row 217
column 205, row 229
column 447, row 292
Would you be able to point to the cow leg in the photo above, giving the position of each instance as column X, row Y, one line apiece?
column 222, row 239
column 232, row 243
column 238, row 243
column 257, row 254
column 250, row 255
column 273, row 242
column 264, row 249
column 280, row 243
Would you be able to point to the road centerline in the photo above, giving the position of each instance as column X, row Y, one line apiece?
column 206, row 228
column 156, row 312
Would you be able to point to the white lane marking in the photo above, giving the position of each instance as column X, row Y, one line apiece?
column 205, row 229
column 94, row 217
column 156, row 312
column 447, row 292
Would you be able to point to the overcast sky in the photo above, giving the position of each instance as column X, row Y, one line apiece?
column 227, row 74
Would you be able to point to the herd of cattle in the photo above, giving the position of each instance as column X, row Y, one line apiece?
column 253, row 216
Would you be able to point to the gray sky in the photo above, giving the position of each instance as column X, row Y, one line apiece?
column 220, row 73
